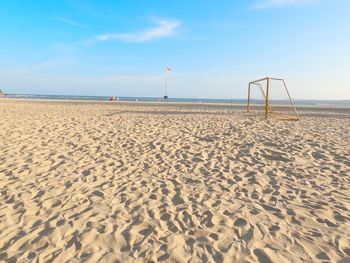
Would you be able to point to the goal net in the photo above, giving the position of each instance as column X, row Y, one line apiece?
column 270, row 97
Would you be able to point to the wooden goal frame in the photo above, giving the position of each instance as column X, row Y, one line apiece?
column 267, row 107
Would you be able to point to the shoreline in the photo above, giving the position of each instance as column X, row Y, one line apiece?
column 298, row 102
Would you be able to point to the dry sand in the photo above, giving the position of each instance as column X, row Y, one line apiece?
column 171, row 183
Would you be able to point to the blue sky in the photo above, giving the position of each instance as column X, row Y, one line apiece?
column 121, row 47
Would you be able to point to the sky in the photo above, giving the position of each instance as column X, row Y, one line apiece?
column 121, row 47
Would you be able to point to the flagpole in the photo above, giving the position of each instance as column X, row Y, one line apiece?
column 167, row 71
column 166, row 84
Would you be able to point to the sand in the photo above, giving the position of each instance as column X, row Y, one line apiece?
column 109, row 182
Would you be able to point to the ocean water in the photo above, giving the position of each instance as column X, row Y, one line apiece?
column 316, row 103
column 106, row 98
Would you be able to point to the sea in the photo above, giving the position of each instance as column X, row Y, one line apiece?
column 315, row 103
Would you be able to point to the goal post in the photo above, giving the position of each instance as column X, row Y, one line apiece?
column 272, row 106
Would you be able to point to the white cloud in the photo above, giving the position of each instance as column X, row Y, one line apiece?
column 164, row 28
column 278, row 3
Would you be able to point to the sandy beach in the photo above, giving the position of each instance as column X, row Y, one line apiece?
column 143, row 182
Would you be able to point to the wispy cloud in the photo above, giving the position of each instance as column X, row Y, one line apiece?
column 67, row 21
column 164, row 28
column 279, row 3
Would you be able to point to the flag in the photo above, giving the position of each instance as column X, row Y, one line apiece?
column 168, row 70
